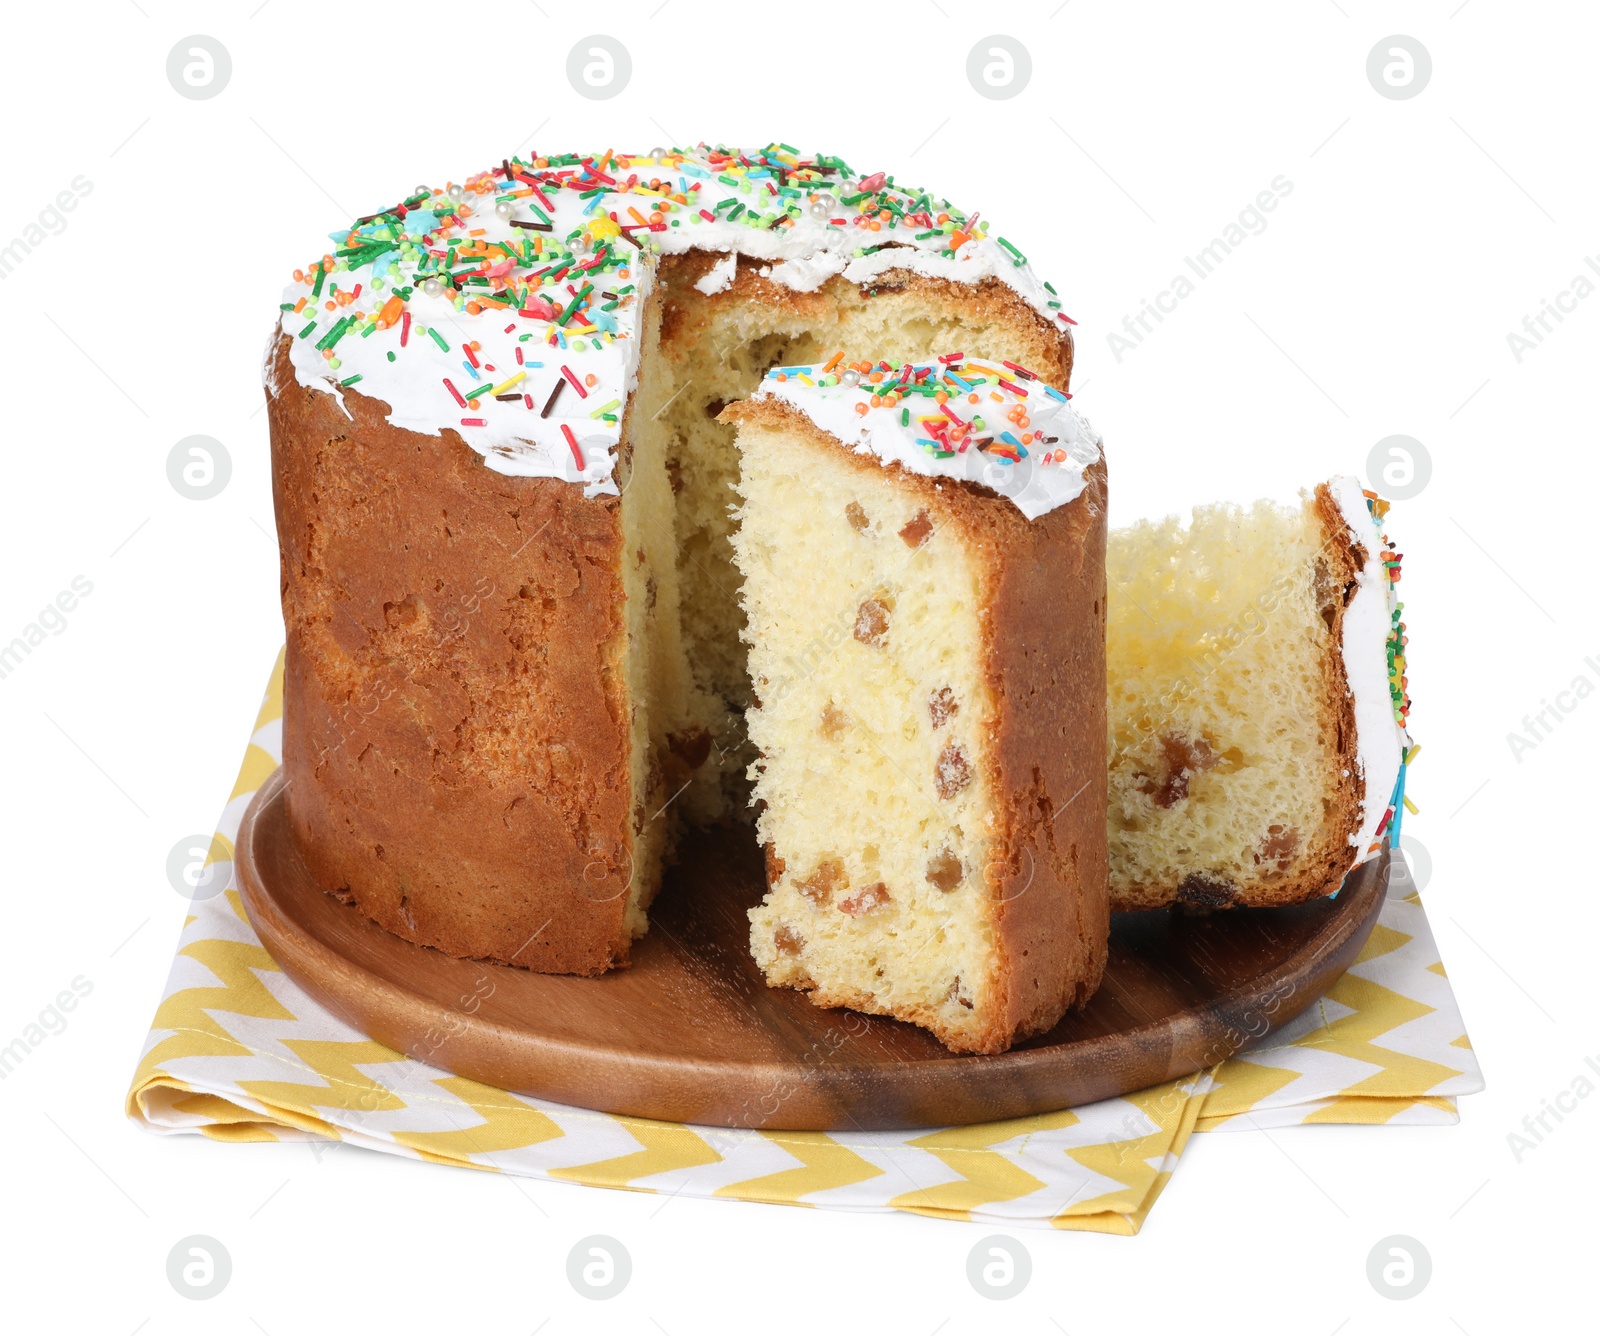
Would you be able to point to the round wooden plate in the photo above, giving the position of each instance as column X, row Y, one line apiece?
column 691, row 1033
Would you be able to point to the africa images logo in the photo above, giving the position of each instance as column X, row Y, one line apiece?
column 1251, row 221
column 51, row 1021
column 51, row 620
column 50, row 221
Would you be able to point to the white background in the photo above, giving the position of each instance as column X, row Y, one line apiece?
column 1417, row 235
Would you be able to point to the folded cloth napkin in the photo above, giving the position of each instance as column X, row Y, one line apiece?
column 238, row 1053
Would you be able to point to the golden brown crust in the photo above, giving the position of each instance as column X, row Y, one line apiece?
column 1320, row 866
column 1047, row 665
column 1045, row 668
column 1330, row 857
column 455, row 722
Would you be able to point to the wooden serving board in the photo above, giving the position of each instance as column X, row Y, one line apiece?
column 691, row 1033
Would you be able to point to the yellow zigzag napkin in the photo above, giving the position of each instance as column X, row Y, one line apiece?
column 238, row 1053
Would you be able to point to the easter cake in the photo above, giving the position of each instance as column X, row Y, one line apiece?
column 930, row 772
column 1258, row 702
column 519, row 633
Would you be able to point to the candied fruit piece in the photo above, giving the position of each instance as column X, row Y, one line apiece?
column 872, row 623
column 857, row 517
column 826, row 878
column 692, row 746
column 918, row 530
column 1278, row 847
column 951, row 773
column 944, row 870
column 832, row 723
column 775, row 864
column 1183, row 758
column 788, row 941
column 1202, row 890
column 943, row 707
column 865, row 900
column 1191, row 754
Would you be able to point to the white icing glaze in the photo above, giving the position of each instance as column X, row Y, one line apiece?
column 719, row 277
column 1380, row 741
column 694, row 208
column 1036, row 482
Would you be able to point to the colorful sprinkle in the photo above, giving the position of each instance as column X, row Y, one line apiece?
column 499, row 251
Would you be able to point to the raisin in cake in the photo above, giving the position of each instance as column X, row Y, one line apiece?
column 1256, row 669
column 504, row 503
column 923, row 559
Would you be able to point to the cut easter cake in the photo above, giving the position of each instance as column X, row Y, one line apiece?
column 1258, row 705
column 924, row 600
